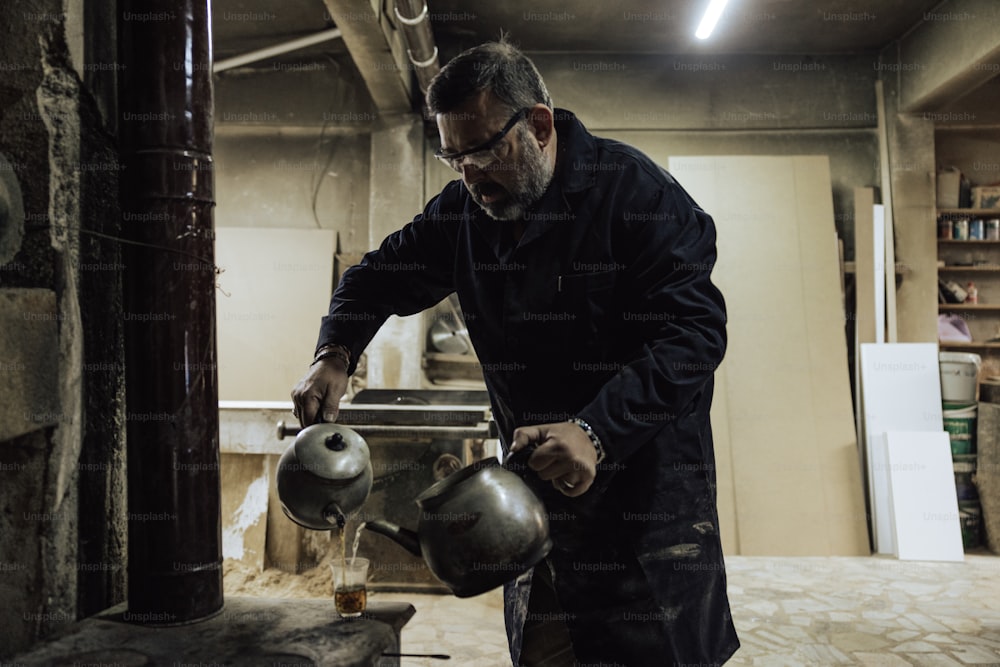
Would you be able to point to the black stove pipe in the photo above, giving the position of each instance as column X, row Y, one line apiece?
column 165, row 130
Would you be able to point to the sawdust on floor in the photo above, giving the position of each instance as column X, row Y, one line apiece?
column 238, row 578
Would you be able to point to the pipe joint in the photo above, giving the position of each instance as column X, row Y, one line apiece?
column 412, row 22
column 423, row 64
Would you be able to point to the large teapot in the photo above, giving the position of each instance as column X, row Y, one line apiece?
column 479, row 527
column 324, row 476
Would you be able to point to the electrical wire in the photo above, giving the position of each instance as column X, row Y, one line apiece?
column 329, row 160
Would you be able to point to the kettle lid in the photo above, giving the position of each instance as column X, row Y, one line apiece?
column 331, row 451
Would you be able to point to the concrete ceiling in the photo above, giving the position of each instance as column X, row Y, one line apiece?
column 666, row 26
column 240, row 26
column 624, row 26
column 751, row 27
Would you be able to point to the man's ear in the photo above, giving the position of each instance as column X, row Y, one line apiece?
column 542, row 122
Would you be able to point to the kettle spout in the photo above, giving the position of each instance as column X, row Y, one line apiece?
column 335, row 516
column 402, row 536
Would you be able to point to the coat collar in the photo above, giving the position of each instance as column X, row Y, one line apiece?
column 577, row 153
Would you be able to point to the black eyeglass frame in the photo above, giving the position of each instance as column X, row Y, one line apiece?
column 490, row 143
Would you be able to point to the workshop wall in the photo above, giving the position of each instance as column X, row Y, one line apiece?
column 61, row 445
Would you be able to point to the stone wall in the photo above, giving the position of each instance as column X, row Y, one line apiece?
column 61, row 445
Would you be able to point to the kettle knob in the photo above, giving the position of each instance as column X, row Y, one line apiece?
column 331, row 451
column 335, row 442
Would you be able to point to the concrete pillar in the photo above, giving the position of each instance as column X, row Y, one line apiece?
column 911, row 174
column 397, row 194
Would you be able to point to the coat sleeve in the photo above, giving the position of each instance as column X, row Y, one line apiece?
column 410, row 271
column 668, row 255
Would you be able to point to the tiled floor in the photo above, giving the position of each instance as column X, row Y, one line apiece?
column 866, row 611
column 877, row 612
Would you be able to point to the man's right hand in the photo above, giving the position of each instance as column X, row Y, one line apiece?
column 317, row 395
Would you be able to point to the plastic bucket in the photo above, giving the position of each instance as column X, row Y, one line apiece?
column 970, row 515
column 959, row 376
column 965, row 478
column 961, row 427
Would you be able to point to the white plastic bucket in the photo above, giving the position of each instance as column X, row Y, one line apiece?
column 959, row 376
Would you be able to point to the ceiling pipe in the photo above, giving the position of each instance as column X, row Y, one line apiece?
column 415, row 27
column 171, row 388
column 276, row 50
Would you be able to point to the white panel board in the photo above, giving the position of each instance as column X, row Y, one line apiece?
column 274, row 287
column 901, row 391
column 793, row 446
column 925, row 519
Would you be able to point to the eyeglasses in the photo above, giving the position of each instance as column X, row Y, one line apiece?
column 484, row 154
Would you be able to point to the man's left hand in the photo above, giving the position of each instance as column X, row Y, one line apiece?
column 565, row 455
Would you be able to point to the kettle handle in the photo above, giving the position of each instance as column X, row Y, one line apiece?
column 518, row 461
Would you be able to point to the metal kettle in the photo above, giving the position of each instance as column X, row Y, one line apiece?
column 479, row 527
column 324, row 476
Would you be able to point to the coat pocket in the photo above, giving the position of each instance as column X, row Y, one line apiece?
column 589, row 296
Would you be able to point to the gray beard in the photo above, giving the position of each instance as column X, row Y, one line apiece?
column 532, row 180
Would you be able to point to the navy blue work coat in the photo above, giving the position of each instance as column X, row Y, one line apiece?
column 604, row 310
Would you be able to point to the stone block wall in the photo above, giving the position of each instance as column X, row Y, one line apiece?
column 62, row 514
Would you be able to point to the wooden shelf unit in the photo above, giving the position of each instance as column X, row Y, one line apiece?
column 970, row 213
column 969, row 306
column 984, row 270
column 969, row 346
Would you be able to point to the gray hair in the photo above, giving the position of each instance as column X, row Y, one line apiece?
column 498, row 67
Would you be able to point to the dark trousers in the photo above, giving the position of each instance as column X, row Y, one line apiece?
column 546, row 636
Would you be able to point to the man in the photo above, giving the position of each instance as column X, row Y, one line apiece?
column 583, row 270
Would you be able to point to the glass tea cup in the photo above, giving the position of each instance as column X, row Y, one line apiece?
column 350, row 591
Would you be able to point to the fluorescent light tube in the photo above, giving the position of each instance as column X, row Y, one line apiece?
column 710, row 18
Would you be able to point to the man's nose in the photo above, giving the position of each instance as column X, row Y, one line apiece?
column 471, row 173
